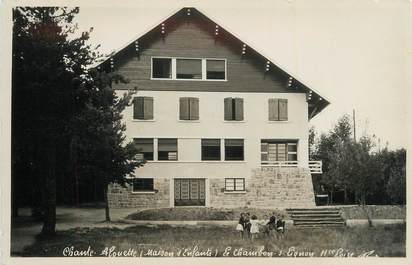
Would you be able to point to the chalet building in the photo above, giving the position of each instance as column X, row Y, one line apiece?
column 219, row 124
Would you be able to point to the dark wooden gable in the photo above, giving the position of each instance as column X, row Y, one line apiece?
column 193, row 35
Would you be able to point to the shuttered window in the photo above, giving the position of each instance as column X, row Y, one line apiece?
column 188, row 108
column 143, row 108
column 233, row 109
column 167, row 149
column 234, row 149
column 234, row 184
column 145, row 146
column 210, row 149
column 188, row 69
column 278, row 150
column 278, row 109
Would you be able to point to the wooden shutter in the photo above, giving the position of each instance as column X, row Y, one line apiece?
column 138, row 112
column 239, row 109
column 273, row 109
column 283, row 109
column 228, row 109
column 184, row 108
column 148, row 108
column 194, row 108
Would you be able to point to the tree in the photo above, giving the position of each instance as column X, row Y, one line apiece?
column 53, row 91
column 45, row 61
column 98, row 134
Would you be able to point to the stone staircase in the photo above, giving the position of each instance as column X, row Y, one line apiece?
column 316, row 217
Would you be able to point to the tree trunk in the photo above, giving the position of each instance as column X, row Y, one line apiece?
column 49, row 221
column 106, row 201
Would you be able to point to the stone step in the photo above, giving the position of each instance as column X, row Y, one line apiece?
column 321, row 226
column 315, row 215
column 313, row 212
column 318, row 219
column 340, row 222
column 313, row 209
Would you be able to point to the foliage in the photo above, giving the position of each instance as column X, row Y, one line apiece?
column 66, row 120
column 363, row 174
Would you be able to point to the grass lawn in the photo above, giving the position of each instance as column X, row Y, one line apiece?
column 165, row 240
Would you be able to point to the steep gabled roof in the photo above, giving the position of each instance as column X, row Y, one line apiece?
column 315, row 101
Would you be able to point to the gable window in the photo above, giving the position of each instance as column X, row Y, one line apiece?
column 162, row 68
column 143, row 108
column 145, row 146
column 234, row 184
column 275, row 150
column 234, row 149
column 199, row 69
column 188, row 68
column 233, row 109
column 278, row 109
column 167, row 149
column 211, row 149
column 216, row 69
column 188, row 108
column 142, row 184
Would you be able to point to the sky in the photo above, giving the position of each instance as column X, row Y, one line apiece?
column 351, row 52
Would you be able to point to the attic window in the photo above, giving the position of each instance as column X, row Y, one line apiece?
column 189, row 69
column 162, row 68
column 215, row 69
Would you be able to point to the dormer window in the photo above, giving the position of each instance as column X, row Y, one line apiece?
column 189, row 69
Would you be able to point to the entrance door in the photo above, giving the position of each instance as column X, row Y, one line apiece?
column 190, row 192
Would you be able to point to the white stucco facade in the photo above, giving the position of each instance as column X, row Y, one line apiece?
column 211, row 124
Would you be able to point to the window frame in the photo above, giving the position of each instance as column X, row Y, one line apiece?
column 220, row 150
column 152, row 190
column 278, row 119
column 153, row 148
column 174, row 68
column 287, row 142
column 234, row 184
column 158, row 147
column 243, row 149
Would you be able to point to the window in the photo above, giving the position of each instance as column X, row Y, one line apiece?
column 162, row 68
column 278, row 109
column 145, row 145
column 142, row 184
column 189, row 69
column 275, row 150
column 210, row 149
column 143, row 108
column 234, row 184
column 189, row 109
column 215, row 69
column 167, row 149
column 233, row 109
column 234, row 149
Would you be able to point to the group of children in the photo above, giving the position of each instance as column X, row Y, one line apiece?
column 252, row 226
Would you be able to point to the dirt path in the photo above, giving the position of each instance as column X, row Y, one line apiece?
column 25, row 229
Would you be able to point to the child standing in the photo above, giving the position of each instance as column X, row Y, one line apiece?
column 241, row 225
column 254, row 227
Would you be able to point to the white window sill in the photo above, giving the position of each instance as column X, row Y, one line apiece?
column 235, row 192
column 143, row 192
column 189, row 121
column 198, row 161
column 177, row 79
column 138, row 120
column 279, row 121
column 242, row 121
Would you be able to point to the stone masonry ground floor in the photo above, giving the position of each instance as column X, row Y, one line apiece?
column 266, row 187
